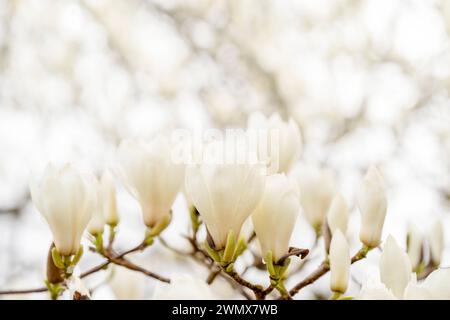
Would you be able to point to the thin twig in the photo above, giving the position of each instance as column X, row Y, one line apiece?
column 323, row 268
column 83, row 275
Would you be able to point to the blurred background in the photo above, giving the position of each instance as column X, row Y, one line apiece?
column 367, row 81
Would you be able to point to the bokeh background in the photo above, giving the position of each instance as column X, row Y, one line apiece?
column 367, row 81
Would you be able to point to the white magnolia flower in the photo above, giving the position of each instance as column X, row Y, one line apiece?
column 340, row 262
column 317, row 189
column 397, row 281
column 436, row 240
column 337, row 217
column 97, row 222
column 372, row 203
column 127, row 284
column 435, row 287
column 109, row 199
column 279, row 141
column 151, row 176
column 66, row 198
column 185, row 287
column 414, row 245
column 274, row 218
column 374, row 289
column 395, row 267
column 225, row 195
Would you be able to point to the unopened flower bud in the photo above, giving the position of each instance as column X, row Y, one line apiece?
column 317, row 188
column 414, row 245
column 151, row 177
column 279, row 142
column 436, row 239
column 225, row 195
column 274, row 218
column 340, row 262
column 109, row 200
column 372, row 203
column 337, row 216
column 97, row 223
column 65, row 198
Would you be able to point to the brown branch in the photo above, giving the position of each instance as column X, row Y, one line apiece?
column 258, row 290
column 86, row 273
column 323, row 268
column 129, row 265
column 24, row 291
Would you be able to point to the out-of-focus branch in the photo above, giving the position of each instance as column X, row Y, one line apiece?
column 17, row 208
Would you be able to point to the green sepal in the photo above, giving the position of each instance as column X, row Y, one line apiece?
column 229, row 267
column 212, row 253
column 195, row 220
column 99, row 242
column 156, row 230
column 78, row 256
column 282, row 289
column 241, row 247
column 269, row 264
column 336, row 296
column 112, row 232
column 230, row 248
column 57, row 259
column 284, row 267
column 55, row 289
column 149, row 240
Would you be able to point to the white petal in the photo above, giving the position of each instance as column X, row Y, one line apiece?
column 372, row 204
column 317, row 189
column 64, row 199
column 340, row 262
column 395, row 267
column 438, row 284
column 151, row 176
column 275, row 216
column 414, row 291
column 108, row 191
column 337, row 216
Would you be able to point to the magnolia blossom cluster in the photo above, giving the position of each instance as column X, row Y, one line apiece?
column 224, row 196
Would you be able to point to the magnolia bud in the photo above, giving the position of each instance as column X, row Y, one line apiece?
column 97, row 223
column 395, row 267
column 436, row 239
column 372, row 203
column 151, row 177
column 274, row 218
column 65, row 198
column 224, row 195
column 317, row 188
column 109, row 202
column 337, row 217
column 340, row 262
column 414, row 244
column 280, row 142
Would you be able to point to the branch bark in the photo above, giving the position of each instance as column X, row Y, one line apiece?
column 323, row 269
